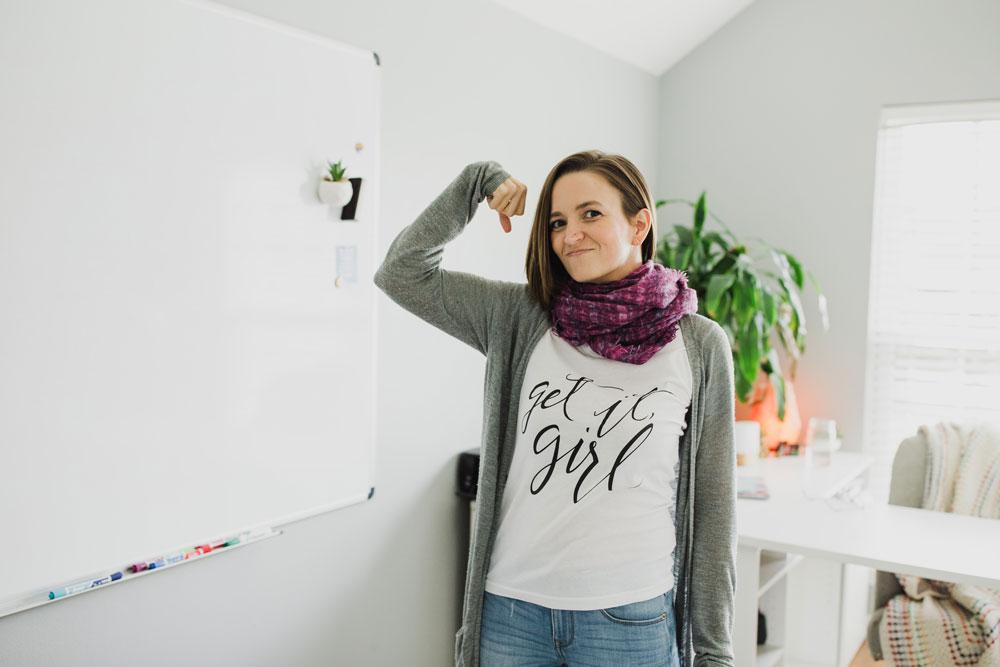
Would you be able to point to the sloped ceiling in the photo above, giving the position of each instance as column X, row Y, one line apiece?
column 652, row 35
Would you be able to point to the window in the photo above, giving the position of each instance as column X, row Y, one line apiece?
column 933, row 351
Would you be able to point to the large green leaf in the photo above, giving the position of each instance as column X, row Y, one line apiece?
column 699, row 215
column 743, row 301
column 798, row 317
column 769, row 308
column 778, row 382
column 728, row 261
column 743, row 388
column 824, row 316
column 684, row 234
column 754, row 286
column 667, row 256
column 684, row 260
column 713, row 237
column 788, row 339
column 666, row 253
column 725, row 304
column 796, row 267
column 717, row 286
column 748, row 358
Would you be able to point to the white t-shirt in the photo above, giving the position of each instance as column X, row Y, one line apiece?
column 587, row 515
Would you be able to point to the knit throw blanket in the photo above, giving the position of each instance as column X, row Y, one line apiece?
column 936, row 622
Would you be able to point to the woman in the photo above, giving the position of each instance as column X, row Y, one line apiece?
column 605, row 525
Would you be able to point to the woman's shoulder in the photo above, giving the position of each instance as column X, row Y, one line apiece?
column 703, row 331
column 527, row 310
column 707, row 342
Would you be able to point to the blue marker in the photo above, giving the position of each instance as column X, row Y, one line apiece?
column 166, row 560
column 84, row 585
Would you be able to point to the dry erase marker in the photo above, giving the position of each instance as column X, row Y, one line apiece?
column 114, row 576
column 69, row 590
column 209, row 548
column 166, row 560
column 84, row 585
column 138, row 567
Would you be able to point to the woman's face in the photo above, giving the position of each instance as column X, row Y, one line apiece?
column 590, row 234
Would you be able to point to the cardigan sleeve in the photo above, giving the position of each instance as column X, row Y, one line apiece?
column 713, row 566
column 460, row 304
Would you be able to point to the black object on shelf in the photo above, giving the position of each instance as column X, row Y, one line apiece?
column 347, row 213
column 761, row 628
column 468, row 473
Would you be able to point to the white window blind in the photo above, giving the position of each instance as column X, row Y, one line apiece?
column 933, row 350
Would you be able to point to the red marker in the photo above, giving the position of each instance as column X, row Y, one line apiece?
column 208, row 548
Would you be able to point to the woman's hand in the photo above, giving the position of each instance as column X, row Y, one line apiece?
column 507, row 200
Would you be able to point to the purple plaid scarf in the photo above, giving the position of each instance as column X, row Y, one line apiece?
column 624, row 320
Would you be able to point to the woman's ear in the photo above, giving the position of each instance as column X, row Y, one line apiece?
column 643, row 221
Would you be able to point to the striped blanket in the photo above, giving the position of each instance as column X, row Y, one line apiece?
column 937, row 623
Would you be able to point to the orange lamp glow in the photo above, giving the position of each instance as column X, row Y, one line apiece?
column 775, row 431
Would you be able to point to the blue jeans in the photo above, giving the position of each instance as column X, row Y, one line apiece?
column 516, row 633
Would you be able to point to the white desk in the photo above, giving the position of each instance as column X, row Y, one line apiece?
column 936, row 545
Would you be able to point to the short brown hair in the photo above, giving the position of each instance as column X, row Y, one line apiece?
column 545, row 271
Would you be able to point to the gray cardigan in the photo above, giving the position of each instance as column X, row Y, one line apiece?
column 501, row 320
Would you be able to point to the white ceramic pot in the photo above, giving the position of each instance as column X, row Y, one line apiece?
column 747, row 436
column 335, row 193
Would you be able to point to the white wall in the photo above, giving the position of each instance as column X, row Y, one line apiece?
column 381, row 583
column 776, row 117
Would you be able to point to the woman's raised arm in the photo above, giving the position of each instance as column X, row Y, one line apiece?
column 461, row 304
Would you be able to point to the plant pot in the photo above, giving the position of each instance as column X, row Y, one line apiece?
column 763, row 409
column 757, row 394
column 335, row 193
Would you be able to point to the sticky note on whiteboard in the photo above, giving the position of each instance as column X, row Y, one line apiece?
column 347, row 263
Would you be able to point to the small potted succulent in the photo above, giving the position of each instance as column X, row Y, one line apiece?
column 334, row 189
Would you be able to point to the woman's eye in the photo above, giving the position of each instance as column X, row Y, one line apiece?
column 589, row 210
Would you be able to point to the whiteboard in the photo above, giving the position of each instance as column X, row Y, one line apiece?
column 178, row 359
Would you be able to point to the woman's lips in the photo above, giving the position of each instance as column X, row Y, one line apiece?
column 577, row 252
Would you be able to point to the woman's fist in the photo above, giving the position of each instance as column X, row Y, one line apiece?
column 507, row 200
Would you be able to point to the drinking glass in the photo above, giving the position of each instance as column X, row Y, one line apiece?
column 821, row 441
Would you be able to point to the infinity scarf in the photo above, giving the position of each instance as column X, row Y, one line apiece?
column 624, row 320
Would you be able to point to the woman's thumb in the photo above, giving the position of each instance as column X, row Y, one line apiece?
column 505, row 222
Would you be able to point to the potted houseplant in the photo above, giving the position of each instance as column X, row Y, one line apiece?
column 753, row 304
column 334, row 189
